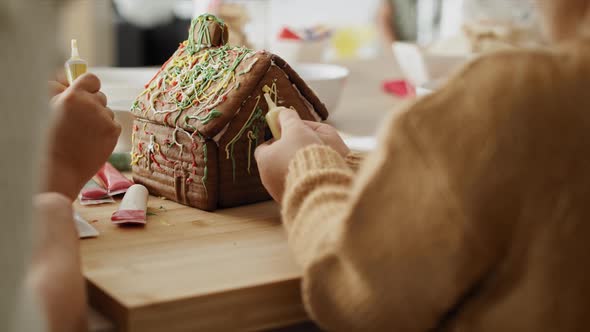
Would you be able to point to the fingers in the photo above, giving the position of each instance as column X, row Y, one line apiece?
column 60, row 77
column 118, row 129
column 313, row 124
column 262, row 149
column 109, row 113
column 74, row 101
column 56, row 88
column 288, row 118
column 322, row 129
column 102, row 98
column 87, row 82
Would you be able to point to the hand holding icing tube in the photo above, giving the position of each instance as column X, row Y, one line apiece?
column 75, row 66
column 133, row 208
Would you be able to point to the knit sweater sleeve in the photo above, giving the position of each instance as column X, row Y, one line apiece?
column 354, row 160
column 389, row 248
column 369, row 249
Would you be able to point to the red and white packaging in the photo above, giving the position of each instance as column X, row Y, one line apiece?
column 133, row 208
column 115, row 182
column 94, row 193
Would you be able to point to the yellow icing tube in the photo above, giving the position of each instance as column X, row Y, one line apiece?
column 272, row 117
column 75, row 66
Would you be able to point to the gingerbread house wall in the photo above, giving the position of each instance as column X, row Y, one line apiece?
column 239, row 180
column 168, row 171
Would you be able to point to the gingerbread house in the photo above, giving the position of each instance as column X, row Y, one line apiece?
column 202, row 115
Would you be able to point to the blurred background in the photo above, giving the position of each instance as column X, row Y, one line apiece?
column 132, row 33
column 145, row 32
column 356, row 55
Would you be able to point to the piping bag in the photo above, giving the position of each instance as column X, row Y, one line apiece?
column 272, row 117
column 133, row 208
column 115, row 182
column 75, row 66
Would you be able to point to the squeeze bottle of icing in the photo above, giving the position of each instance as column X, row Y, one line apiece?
column 75, row 66
column 272, row 117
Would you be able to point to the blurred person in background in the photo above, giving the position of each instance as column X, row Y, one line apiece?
column 397, row 20
column 471, row 214
column 51, row 148
column 501, row 24
column 421, row 20
column 520, row 12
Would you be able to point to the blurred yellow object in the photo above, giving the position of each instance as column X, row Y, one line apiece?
column 349, row 41
column 75, row 66
column 346, row 43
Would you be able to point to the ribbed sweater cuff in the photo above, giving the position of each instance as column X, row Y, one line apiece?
column 316, row 173
column 354, row 160
column 315, row 157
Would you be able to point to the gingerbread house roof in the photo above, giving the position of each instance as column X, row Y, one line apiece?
column 204, row 84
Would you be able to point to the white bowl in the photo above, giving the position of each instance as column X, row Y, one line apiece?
column 326, row 80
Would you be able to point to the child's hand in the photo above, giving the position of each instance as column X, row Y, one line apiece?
column 329, row 135
column 59, row 84
column 82, row 136
column 274, row 157
column 55, row 88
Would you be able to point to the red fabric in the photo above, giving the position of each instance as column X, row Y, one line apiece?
column 129, row 217
column 399, row 88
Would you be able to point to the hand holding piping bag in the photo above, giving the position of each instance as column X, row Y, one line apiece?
column 82, row 131
column 291, row 134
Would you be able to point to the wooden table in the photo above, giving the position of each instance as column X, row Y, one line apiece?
column 193, row 270
column 190, row 270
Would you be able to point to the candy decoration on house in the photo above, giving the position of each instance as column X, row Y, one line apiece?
column 202, row 115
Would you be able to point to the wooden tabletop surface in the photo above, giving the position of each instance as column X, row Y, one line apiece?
column 192, row 270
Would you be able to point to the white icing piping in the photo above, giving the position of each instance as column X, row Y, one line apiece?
column 249, row 68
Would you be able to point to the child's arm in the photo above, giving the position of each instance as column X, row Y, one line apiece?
column 55, row 275
column 385, row 249
column 354, row 160
column 390, row 248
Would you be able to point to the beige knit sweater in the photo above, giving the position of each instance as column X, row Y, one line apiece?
column 472, row 215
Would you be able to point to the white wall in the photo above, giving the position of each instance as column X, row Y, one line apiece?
column 333, row 12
